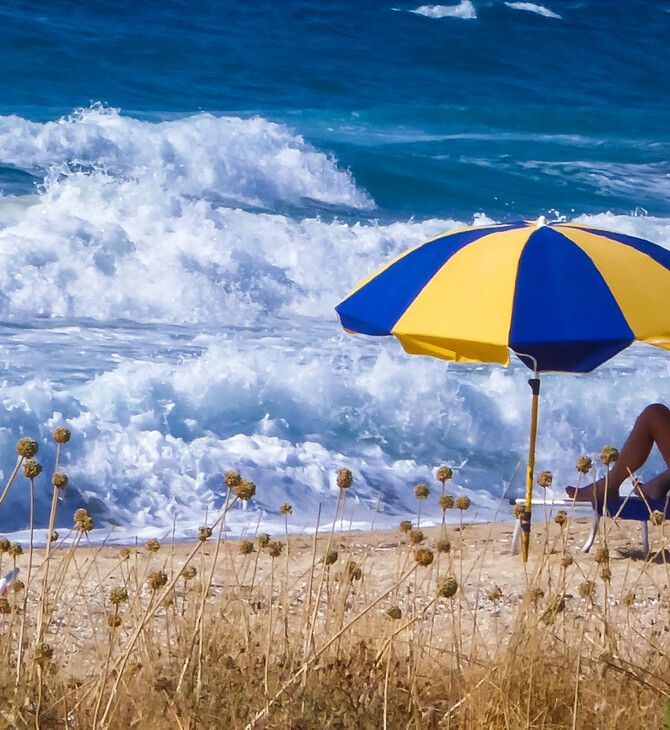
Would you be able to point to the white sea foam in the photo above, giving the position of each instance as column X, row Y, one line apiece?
column 94, row 246
column 130, row 222
column 464, row 10
column 533, row 8
column 251, row 161
column 611, row 178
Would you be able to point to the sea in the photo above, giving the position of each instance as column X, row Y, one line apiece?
column 187, row 190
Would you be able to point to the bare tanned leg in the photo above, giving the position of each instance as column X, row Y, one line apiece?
column 652, row 427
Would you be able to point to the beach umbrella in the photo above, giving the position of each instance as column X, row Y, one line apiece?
column 561, row 296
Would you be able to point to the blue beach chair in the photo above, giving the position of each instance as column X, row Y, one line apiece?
column 630, row 508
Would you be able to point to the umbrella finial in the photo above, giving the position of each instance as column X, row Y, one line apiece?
column 541, row 221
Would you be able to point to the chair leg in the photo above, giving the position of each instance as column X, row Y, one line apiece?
column 644, row 528
column 594, row 531
column 515, row 537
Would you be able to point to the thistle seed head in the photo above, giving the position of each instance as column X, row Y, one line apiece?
column 153, row 546
column 421, row 491
column 354, row 571
column 446, row 502
column 463, row 503
column 657, row 518
column 157, row 579
column 544, row 479
column 587, row 588
column 263, row 540
column 628, row 600
column 444, row 474
column 405, row 526
column 519, row 511
column 561, row 518
column 4, row 545
column 31, row 469
column 18, row 585
column 609, row 455
column 124, row 553
column 43, row 654
column 204, row 533
column 245, row 490
column 494, row 594
column 114, row 621
column 59, row 480
column 416, row 537
column 344, row 479
column 27, row 448
column 584, row 465
column 118, row 595
column 232, row 478
column 275, row 548
column 331, row 557
column 448, row 587
column 61, row 435
column 424, row 557
column 535, row 594
column 83, row 521
column 188, row 572
column 602, row 555
column 5, row 608
column 443, row 546
column 285, row 509
column 606, row 573
column 555, row 605
column 246, row 547
column 394, row 613
column 53, row 537
column 567, row 560
column 14, row 550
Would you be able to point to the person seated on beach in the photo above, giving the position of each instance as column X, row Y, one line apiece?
column 651, row 427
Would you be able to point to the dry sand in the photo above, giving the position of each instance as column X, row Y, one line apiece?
column 78, row 628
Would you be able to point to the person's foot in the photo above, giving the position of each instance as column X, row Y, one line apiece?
column 594, row 491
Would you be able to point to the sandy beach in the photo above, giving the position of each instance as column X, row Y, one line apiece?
column 480, row 559
column 436, row 627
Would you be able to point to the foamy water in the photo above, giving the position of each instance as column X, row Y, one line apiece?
column 464, row 10
column 168, row 293
column 533, row 8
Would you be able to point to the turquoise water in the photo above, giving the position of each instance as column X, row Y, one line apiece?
column 509, row 111
column 187, row 192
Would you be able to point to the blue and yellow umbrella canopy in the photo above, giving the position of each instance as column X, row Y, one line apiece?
column 562, row 296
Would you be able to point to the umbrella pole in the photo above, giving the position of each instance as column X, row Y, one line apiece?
column 525, row 520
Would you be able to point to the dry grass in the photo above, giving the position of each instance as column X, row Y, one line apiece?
column 210, row 637
column 387, row 632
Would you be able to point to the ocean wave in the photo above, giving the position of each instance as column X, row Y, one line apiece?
column 102, row 248
column 464, row 10
column 251, row 161
column 533, row 8
column 629, row 179
column 129, row 222
column 154, row 439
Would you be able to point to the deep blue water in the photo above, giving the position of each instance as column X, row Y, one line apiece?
column 188, row 189
column 434, row 116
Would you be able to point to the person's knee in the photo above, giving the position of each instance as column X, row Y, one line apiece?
column 656, row 411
